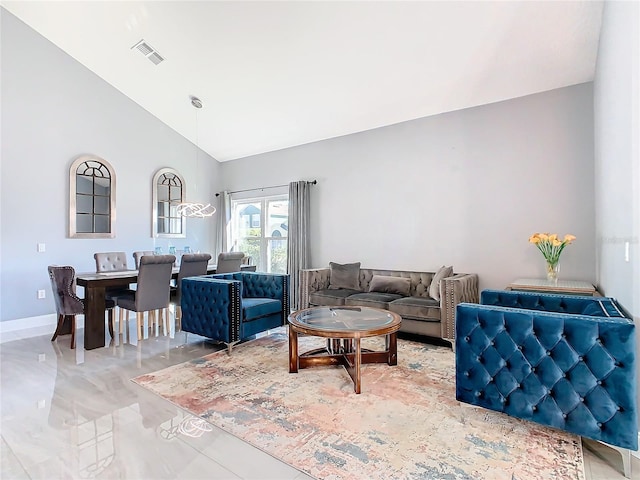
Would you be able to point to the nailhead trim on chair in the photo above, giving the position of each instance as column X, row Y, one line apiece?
column 236, row 295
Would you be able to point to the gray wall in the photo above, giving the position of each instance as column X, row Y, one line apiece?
column 54, row 109
column 465, row 188
column 617, row 154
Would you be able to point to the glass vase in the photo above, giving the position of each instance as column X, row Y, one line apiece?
column 552, row 271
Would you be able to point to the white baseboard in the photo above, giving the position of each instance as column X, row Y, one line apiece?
column 28, row 322
column 32, row 327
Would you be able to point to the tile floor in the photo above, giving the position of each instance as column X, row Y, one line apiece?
column 76, row 414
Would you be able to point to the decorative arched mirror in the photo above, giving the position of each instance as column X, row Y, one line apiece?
column 92, row 198
column 168, row 191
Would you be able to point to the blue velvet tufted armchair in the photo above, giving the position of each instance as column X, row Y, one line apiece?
column 232, row 307
column 563, row 361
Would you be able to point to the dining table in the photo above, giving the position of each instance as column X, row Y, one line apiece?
column 95, row 286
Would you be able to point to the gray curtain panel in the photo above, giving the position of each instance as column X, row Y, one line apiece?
column 224, row 217
column 298, row 244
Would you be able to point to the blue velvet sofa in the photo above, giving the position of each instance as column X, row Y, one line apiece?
column 231, row 307
column 563, row 361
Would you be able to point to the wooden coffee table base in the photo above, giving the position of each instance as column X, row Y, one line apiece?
column 347, row 353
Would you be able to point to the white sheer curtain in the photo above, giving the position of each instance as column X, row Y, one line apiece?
column 224, row 220
column 298, row 237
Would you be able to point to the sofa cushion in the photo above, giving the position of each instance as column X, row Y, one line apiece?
column 345, row 276
column 386, row 284
column 372, row 299
column 417, row 307
column 330, row 297
column 253, row 308
column 434, row 288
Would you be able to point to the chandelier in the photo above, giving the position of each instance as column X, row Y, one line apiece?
column 195, row 209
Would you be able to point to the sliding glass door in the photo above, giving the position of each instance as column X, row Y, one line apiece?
column 259, row 228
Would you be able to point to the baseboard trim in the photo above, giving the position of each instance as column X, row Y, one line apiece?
column 28, row 322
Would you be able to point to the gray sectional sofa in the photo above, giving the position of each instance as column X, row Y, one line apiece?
column 426, row 309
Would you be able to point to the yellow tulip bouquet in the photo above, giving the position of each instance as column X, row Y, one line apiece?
column 551, row 247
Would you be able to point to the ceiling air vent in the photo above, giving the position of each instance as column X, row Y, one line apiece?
column 148, row 51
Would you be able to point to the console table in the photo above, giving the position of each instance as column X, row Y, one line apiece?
column 566, row 287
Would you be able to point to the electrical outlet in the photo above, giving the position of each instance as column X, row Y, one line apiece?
column 42, row 294
column 41, row 247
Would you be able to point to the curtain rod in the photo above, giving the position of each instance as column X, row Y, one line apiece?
column 311, row 182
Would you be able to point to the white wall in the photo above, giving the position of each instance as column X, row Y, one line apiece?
column 54, row 109
column 617, row 156
column 465, row 188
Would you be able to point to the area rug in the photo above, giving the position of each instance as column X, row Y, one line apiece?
column 406, row 423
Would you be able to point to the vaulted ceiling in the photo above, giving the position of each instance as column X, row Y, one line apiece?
column 272, row 75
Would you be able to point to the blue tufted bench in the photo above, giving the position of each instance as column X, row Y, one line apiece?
column 563, row 361
column 234, row 306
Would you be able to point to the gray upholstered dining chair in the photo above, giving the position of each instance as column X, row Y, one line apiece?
column 68, row 304
column 191, row 265
column 229, row 262
column 152, row 292
column 137, row 255
column 112, row 262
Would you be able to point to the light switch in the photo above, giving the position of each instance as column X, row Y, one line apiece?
column 41, row 294
column 41, row 247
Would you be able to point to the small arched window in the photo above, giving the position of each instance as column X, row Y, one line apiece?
column 169, row 191
column 92, row 198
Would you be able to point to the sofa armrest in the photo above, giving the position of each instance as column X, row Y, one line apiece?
column 554, row 302
column 212, row 307
column 461, row 287
column 312, row 280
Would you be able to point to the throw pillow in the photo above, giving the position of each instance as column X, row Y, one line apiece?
column 387, row 284
column 434, row 288
column 344, row 276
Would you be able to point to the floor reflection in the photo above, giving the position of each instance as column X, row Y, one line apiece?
column 77, row 414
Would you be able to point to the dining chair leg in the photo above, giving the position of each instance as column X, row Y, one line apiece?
column 73, row 331
column 178, row 317
column 152, row 319
column 121, row 319
column 111, row 320
column 140, row 323
column 157, row 315
column 167, row 320
column 58, row 327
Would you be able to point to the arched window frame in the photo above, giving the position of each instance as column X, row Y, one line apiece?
column 155, row 214
column 101, row 166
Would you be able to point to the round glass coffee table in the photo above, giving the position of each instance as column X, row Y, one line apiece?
column 343, row 327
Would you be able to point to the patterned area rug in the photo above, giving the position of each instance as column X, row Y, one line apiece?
column 406, row 422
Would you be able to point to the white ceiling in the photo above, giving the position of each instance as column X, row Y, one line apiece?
column 273, row 75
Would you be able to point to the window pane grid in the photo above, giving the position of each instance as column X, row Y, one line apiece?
column 259, row 228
